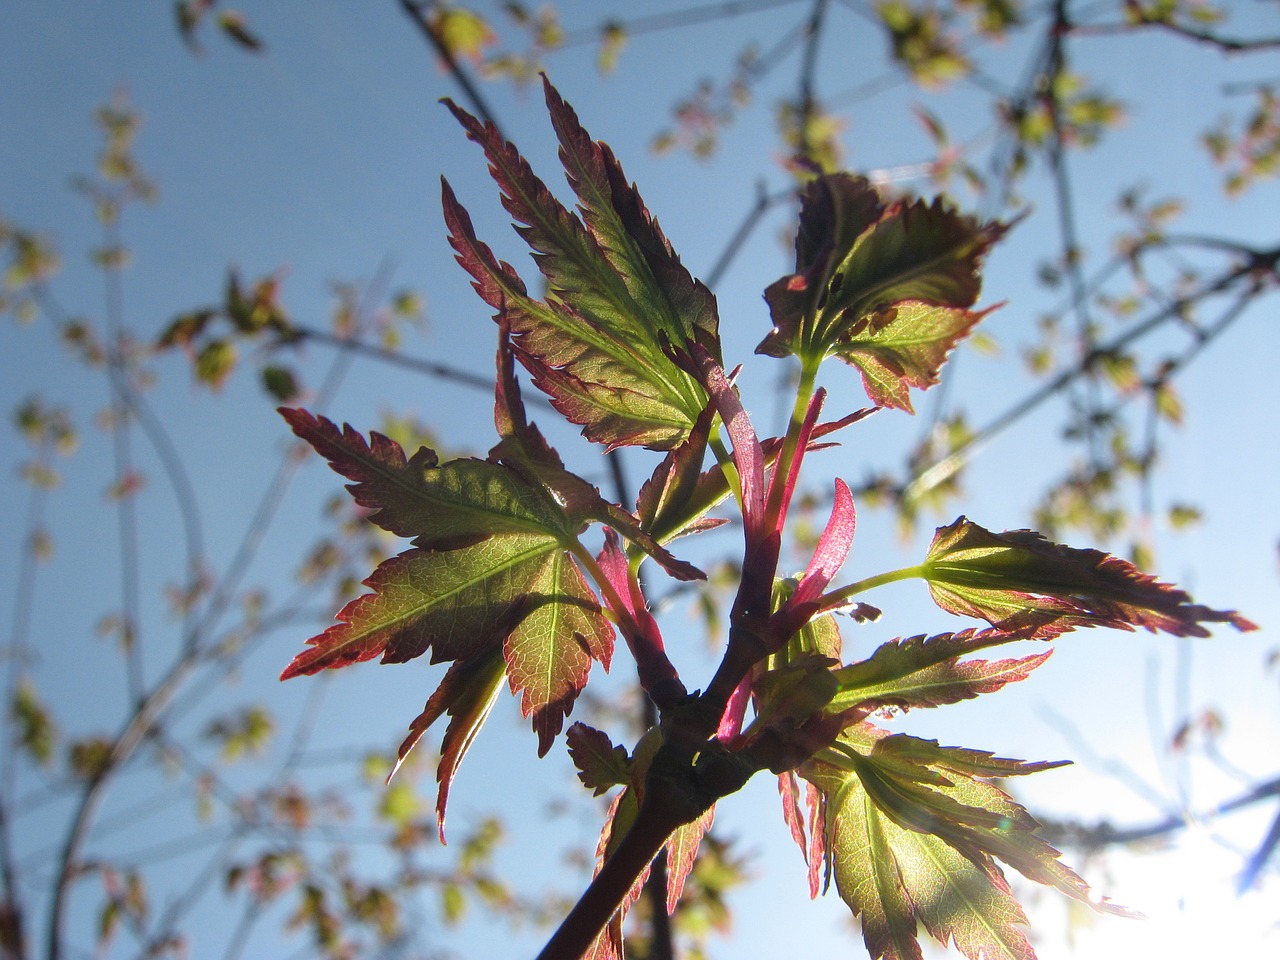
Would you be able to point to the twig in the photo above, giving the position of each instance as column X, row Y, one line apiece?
column 479, row 106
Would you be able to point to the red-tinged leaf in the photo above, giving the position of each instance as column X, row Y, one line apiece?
column 656, row 673
column 666, row 505
column 1019, row 574
column 926, row 671
column 904, row 346
column 601, row 765
column 518, row 593
column 549, row 652
column 835, row 210
column 438, row 505
column 748, row 456
column 793, row 814
column 915, row 830
column 682, row 851
column 467, row 693
column 603, row 360
column 832, row 549
column 913, row 838
column 622, row 813
column 989, row 822
column 456, row 603
column 524, row 449
column 884, row 287
column 810, row 835
column 682, row 308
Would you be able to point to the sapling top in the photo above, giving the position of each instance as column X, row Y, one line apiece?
column 500, row 581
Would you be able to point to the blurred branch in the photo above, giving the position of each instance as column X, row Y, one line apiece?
column 479, row 106
column 689, row 17
column 1103, row 834
column 1260, row 261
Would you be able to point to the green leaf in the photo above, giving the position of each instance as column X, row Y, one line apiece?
column 913, row 832
column 234, row 26
column 467, row 693
column 1021, row 580
column 461, row 31
column 438, row 505
column 924, row 671
column 280, row 383
column 904, row 346
column 524, row 449
column 516, row 592
column 33, row 728
column 885, row 287
column 215, row 361
column 617, row 298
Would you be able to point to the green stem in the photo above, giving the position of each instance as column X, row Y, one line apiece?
column 790, row 445
column 836, row 598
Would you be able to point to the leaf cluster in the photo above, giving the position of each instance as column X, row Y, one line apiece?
column 519, row 573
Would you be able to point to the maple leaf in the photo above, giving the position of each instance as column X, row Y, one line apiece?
column 437, row 505
column 1018, row 575
column 519, row 593
column 601, row 765
column 924, row 671
column 491, row 571
column 912, row 833
column 682, row 853
column 467, row 693
column 524, row 450
column 885, row 287
column 618, row 298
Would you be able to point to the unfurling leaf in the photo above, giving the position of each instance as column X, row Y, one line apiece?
column 601, row 765
column 1018, row 578
column 618, row 298
column 885, row 287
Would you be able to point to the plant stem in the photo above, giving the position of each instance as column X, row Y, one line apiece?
column 611, row 885
column 836, row 598
column 790, row 447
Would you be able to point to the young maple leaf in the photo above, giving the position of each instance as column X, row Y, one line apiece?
column 884, row 287
column 1019, row 576
column 617, row 300
column 912, row 831
column 492, row 571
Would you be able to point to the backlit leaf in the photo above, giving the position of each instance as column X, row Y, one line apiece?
column 617, row 295
column 1019, row 575
column 601, row 765
column 904, row 346
column 438, row 505
column 467, row 693
column 914, row 831
column 518, row 592
column 929, row 671
column 682, row 851
column 885, row 287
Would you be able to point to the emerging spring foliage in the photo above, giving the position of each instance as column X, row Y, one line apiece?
column 500, row 581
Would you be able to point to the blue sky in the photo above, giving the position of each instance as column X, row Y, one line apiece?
column 321, row 159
